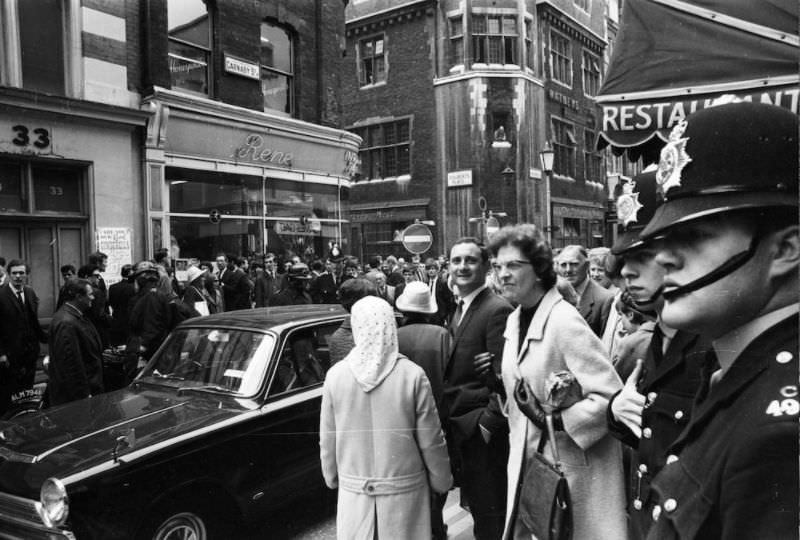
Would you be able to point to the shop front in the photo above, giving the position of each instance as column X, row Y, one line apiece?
column 228, row 180
column 577, row 223
column 377, row 227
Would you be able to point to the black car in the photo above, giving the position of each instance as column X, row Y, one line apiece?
column 221, row 427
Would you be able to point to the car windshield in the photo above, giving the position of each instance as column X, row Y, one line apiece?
column 218, row 360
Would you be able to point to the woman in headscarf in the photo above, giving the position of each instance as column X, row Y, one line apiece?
column 381, row 442
column 553, row 360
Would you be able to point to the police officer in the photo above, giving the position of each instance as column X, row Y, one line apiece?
column 296, row 292
column 730, row 248
column 655, row 404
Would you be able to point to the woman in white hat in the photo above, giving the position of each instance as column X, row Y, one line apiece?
column 195, row 295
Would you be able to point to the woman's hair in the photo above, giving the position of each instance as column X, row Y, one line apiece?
column 531, row 243
column 626, row 305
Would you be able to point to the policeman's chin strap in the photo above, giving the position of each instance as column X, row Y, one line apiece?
column 728, row 267
column 650, row 301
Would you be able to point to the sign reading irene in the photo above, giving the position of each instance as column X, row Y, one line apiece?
column 256, row 150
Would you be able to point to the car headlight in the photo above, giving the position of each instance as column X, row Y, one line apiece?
column 53, row 506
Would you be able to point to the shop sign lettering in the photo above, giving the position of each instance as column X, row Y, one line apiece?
column 255, row 150
column 664, row 115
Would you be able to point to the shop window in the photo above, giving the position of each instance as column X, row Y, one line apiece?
column 560, row 58
column 572, row 231
column 38, row 189
column 494, row 39
column 372, row 61
column 189, row 45
column 385, row 149
column 564, row 143
column 456, row 40
column 26, row 63
column 591, row 73
column 277, row 68
column 592, row 159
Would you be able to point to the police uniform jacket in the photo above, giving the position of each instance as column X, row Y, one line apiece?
column 76, row 363
column 737, row 467
column 669, row 383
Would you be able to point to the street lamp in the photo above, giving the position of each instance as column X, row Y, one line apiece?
column 547, row 156
column 486, row 218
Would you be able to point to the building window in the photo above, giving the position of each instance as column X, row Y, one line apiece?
column 456, row 41
column 189, row 45
column 494, row 39
column 564, row 146
column 277, row 68
column 33, row 188
column 529, row 52
column 582, row 4
column 591, row 73
column 572, row 231
column 560, row 58
column 385, row 150
column 592, row 160
column 372, row 61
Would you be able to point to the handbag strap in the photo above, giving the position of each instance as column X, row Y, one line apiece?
column 548, row 435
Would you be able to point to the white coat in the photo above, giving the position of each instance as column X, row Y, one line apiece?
column 558, row 339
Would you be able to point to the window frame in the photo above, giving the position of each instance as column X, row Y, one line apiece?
column 583, row 5
column 591, row 77
column 564, row 57
column 592, row 159
column 207, row 51
column 395, row 147
column 383, row 56
column 486, row 38
column 456, row 51
column 564, row 162
column 28, row 192
column 289, row 75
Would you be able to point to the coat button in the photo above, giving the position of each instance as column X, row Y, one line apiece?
column 784, row 357
column 643, row 468
column 678, row 415
column 647, row 433
column 651, row 397
column 370, row 489
column 656, row 512
column 672, row 458
column 637, row 504
column 670, row 505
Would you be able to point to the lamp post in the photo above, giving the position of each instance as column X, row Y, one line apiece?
column 486, row 217
column 547, row 156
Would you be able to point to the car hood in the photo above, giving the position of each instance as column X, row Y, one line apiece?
column 73, row 438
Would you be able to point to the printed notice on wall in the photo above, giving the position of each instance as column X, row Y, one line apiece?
column 116, row 242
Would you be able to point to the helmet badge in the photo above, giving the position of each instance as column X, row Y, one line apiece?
column 673, row 159
column 628, row 204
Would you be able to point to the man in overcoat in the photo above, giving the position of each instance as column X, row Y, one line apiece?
column 649, row 413
column 730, row 247
column 476, row 429
column 20, row 333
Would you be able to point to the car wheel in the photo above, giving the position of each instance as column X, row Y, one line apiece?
column 19, row 411
column 181, row 524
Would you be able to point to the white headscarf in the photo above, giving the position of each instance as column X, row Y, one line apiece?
column 375, row 336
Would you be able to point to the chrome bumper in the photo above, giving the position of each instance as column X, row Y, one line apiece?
column 20, row 520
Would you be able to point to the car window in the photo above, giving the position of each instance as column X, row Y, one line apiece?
column 304, row 359
column 233, row 360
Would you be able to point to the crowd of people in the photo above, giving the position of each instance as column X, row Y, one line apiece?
column 659, row 373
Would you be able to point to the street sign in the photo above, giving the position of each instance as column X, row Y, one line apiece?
column 492, row 226
column 417, row 238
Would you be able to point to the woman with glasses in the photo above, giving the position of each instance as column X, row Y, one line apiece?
column 550, row 350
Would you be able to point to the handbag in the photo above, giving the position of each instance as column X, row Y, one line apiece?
column 545, row 506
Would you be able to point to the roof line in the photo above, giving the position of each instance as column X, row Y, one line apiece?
column 691, row 91
column 380, row 12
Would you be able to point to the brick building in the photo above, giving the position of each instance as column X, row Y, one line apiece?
column 199, row 126
column 470, row 93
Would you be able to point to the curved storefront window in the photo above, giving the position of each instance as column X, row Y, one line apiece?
column 244, row 215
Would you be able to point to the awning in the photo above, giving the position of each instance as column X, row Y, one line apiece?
column 672, row 57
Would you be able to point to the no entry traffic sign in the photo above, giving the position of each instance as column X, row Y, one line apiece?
column 417, row 238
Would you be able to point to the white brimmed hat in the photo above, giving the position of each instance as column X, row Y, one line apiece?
column 193, row 273
column 416, row 297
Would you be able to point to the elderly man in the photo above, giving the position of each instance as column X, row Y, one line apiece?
column 594, row 302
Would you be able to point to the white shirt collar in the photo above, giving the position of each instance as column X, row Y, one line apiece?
column 470, row 298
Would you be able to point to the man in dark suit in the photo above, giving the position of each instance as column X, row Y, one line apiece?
column 655, row 405
column 236, row 286
column 594, row 302
column 323, row 287
column 728, row 240
column 119, row 297
column 476, row 429
column 445, row 305
column 20, row 333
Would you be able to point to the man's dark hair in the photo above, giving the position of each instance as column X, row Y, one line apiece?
column 353, row 290
column 374, row 261
column 87, row 270
column 160, row 255
column 531, row 243
column 18, row 262
column 626, row 304
column 67, row 268
column 317, row 265
column 97, row 257
column 74, row 288
column 127, row 270
column 473, row 240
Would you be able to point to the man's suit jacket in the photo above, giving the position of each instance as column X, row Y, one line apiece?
column 594, row 306
column 466, row 398
column 119, row 297
column 445, row 303
column 428, row 346
column 323, row 289
column 20, row 332
column 265, row 286
column 236, row 288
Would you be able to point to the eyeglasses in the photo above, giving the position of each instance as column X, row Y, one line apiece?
column 512, row 266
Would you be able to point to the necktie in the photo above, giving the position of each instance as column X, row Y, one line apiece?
column 457, row 316
column 657, row 345
column 710, row 365
column 21, row 298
